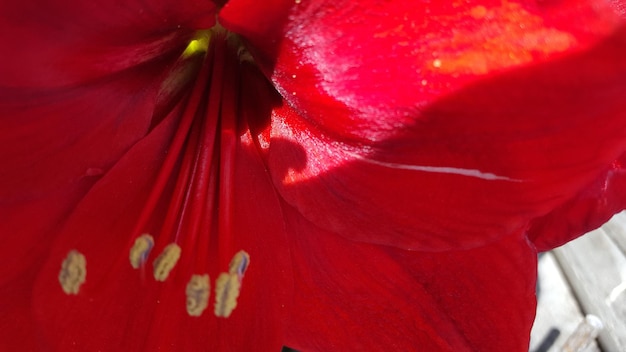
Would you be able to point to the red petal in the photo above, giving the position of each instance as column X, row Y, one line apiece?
column 472, row 165
column 375, row 65
column 132, row 311
column 587, row 210
column 360, row 297
column 58, row 43
column 261, row 22
column 17, row 325
column 55, row 145
column 58, row 140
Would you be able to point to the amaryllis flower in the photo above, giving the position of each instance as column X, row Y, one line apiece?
column 327, row 175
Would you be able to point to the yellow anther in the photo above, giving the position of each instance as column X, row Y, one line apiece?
column 200, row 44
column 228, row 285
column 239, row 263
column 73, row 272
column 140, row 250
column 166, row 261
column 227, row 289
column 198, row 291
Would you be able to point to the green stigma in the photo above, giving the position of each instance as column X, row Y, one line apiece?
column 199, row 44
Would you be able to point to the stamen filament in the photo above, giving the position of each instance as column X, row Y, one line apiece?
column 228, row 139
column 176, row 146
column 174, row 211
column 206, row 158
column 197, row 181
column 207, row 224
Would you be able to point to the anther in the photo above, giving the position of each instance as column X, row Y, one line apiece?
column 166, row 261
column 227, row 289
column 140, row 250
column 73, row 272
column 198, row 291
column 228, row 285
column 239, row 264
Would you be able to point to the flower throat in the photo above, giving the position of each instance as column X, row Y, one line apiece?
column 194, row 186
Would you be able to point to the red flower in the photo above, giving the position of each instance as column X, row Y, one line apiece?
column 389, row 189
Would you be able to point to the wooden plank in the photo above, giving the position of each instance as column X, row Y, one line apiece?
column 616, row 229
column 558, row 313
column 584, row 336
column 596, row 271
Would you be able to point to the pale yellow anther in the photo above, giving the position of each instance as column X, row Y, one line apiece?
column 198, row 291
column 140, row 250
column 227, row 289
column 73, row 272
column 228, row 285
column 239, row 263
column 200, row 44
column 166, row 261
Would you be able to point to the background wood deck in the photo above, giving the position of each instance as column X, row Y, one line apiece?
column 586, row 276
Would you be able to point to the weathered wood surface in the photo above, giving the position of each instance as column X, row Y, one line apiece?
column 558, row 313
column 586, row 276
column 596, row 270
column 616, row 229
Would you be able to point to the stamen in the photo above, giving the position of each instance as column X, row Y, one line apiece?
column 166, row 261
column 239, row 264
column 227, row 289
column 228, row 147
column 176, row 146
column 195, row 184
column 178, row 204
column 73, row 272
column 197, row 294
column 207, row 224
column 228, row 285
column 234, row 41
column 183, row 202
column 199, row 189
column 141, row 250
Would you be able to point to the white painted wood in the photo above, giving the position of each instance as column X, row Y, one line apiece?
column 558, row 313
column 596, row 270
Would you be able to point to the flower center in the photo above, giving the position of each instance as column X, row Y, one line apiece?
column 195, row 183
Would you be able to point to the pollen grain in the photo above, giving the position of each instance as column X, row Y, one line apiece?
column 166, row 261
column 239, row 263
column 228, row 285
column 73, row 272
column 198, row 291
column 227, row 288
column 140, row 250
